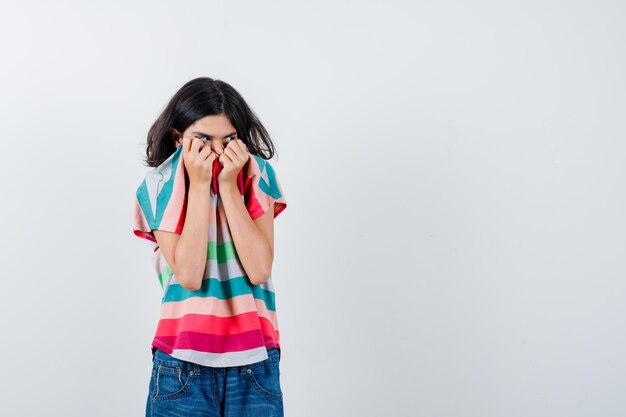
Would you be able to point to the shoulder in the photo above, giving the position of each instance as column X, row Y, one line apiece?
column 264, row 175
column 262, row 188
column 161, row 194
column 165, row 172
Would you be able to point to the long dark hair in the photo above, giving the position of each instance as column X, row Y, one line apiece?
column 196, row 99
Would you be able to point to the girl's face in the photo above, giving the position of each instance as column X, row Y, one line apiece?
column 216, row 132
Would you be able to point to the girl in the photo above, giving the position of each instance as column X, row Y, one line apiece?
column 207, row 207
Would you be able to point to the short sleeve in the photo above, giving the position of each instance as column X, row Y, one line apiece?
column 161, row 199
column 262, row 188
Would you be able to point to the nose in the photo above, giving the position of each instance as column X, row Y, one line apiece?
column 217, row 147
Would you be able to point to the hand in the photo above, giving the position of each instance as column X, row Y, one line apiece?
column 198, row 161
column 232, row 159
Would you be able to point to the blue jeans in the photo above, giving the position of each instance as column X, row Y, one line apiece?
column 181, row 388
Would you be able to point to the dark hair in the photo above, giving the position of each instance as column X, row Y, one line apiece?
column 196, row 99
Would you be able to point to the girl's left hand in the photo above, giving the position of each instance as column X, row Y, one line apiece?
column 232, row 159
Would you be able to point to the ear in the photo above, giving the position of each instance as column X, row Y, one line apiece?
column 176, row 136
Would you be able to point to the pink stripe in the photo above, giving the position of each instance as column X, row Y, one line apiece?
column 218, row 326
column 201, row 323
column 203, row 342
column 174, row 214
column 240, row 304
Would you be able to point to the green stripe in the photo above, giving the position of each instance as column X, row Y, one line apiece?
column 165, row 276
column 221, row 253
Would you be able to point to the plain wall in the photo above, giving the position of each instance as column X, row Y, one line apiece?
column 454, row 241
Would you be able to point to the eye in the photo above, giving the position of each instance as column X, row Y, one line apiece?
column 203, row 138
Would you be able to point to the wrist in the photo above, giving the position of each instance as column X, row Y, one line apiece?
column 228, row 187
column 200, row 187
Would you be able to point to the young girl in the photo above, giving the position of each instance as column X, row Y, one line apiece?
column 207, row 207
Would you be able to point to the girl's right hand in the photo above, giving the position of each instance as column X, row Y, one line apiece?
column 198, row 161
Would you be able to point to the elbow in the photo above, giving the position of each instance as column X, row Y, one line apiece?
column 191, row 284
column 259, row 278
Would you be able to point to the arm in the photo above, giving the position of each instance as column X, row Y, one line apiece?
column 253, row 239
column 186, row 253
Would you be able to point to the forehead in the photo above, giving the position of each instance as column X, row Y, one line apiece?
column 215, row 125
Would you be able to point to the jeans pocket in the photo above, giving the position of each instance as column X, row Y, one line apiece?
column 265, row 379
column 169, row 382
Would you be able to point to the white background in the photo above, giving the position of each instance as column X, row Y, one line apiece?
column 454, row 241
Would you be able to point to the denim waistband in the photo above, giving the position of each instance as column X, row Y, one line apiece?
column 165, row 358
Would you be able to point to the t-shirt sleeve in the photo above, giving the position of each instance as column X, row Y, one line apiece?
column 161, row 199
column 262, row 188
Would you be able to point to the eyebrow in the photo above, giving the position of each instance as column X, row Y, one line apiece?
column 210, row 136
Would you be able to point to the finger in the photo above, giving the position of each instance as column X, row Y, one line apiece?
column 236, row 147
column 239, row 147
column 186, row 144
column 224, row 158
column 196, row 144
column 208, row 162
column 244, row 148
column 205, row 152
column 232, row 154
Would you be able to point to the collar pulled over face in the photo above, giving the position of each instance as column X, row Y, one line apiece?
column 216, row 169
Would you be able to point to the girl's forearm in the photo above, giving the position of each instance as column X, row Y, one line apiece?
column 252, row 248
column 191, row 250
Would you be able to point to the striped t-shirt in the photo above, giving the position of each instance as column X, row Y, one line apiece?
column 228, row 321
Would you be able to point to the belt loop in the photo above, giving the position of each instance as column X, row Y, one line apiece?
column 193, row 367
